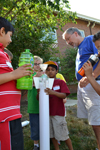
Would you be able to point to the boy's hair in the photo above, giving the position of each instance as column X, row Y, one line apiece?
column 8, row 52
column 6, row 24
column 96, row 36
column 38, row 58
column 52, row 64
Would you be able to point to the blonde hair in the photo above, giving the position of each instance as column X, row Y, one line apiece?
column 8, row 52
column 38, row 58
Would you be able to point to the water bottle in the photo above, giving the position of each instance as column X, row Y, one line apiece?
column 25, row 83
column 93, row 59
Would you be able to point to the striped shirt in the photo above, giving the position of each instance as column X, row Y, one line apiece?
column 9, row 94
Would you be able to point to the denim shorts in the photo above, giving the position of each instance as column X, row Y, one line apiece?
column 34, row 124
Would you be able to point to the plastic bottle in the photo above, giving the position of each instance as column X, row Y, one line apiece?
column 26, row 82
column 93, row 59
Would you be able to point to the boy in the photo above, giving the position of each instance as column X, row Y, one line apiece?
column 11, row 136
column 33, row 105
column 89, row 69
column 58, row 125
column 9, row 53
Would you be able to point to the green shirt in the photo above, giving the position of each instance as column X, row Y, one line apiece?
column 33, row 103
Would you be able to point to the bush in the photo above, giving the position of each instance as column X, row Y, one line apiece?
column 68, row 64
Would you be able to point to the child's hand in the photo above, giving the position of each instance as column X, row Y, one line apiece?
column 49, row 91
column 88, row 69
column 39, row 74
column 64, row 100
column 22, row 71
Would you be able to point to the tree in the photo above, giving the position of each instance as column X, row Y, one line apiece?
column 30, row 18
column 68, row 63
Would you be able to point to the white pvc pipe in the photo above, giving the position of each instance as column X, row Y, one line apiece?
column 44, row 118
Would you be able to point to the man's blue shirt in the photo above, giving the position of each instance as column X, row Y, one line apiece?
column 85, row 49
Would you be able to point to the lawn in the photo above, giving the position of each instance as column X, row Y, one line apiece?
column 80, row 132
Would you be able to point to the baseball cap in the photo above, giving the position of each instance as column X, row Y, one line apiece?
column 51, row 63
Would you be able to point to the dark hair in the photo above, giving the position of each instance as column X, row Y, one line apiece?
column 96, row 36
column 54, row 66
column 6, row 24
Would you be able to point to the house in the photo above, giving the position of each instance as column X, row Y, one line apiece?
column 86, row 24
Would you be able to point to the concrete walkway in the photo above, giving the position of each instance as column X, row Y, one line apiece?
column 70, row 102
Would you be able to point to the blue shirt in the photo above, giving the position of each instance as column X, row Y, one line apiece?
column 85, row 49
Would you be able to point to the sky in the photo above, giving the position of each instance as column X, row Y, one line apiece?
column 89, row 8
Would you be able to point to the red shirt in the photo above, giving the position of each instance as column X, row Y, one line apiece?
column 56, row 105
column 9, row 94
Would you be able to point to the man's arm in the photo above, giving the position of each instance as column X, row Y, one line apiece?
column 18, row 73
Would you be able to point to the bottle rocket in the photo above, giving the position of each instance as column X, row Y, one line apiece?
column 93, row 59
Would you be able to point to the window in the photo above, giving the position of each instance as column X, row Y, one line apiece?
column 82, row 33
column 51, row 34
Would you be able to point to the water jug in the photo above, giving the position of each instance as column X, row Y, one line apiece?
column 25, row 83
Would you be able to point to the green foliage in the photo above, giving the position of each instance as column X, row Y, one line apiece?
column 30, row 18
column 68, row 63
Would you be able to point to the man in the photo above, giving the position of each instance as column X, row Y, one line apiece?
column 88, row 100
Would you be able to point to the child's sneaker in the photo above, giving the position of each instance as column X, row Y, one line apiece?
column 36, row 148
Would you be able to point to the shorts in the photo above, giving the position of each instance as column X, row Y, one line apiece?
column 34, row 124
column 11, row 135
column 58, row 128
column 88, row 105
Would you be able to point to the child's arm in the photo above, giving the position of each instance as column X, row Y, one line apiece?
column 18, row 73
column 88, row 72
column 58, row 94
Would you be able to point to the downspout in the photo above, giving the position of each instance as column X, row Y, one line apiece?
column 92, row 26
column 89, row 25
column 90, row 30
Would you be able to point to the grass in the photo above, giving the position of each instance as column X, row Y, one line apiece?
column 72, row 96
column 81, row 134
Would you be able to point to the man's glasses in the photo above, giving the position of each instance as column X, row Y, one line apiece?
column 36, row 64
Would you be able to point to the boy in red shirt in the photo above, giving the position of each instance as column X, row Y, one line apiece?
column 58, row 125
column 11, row 136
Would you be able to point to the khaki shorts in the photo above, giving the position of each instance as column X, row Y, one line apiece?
column 88, row 105
column 58, row 128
